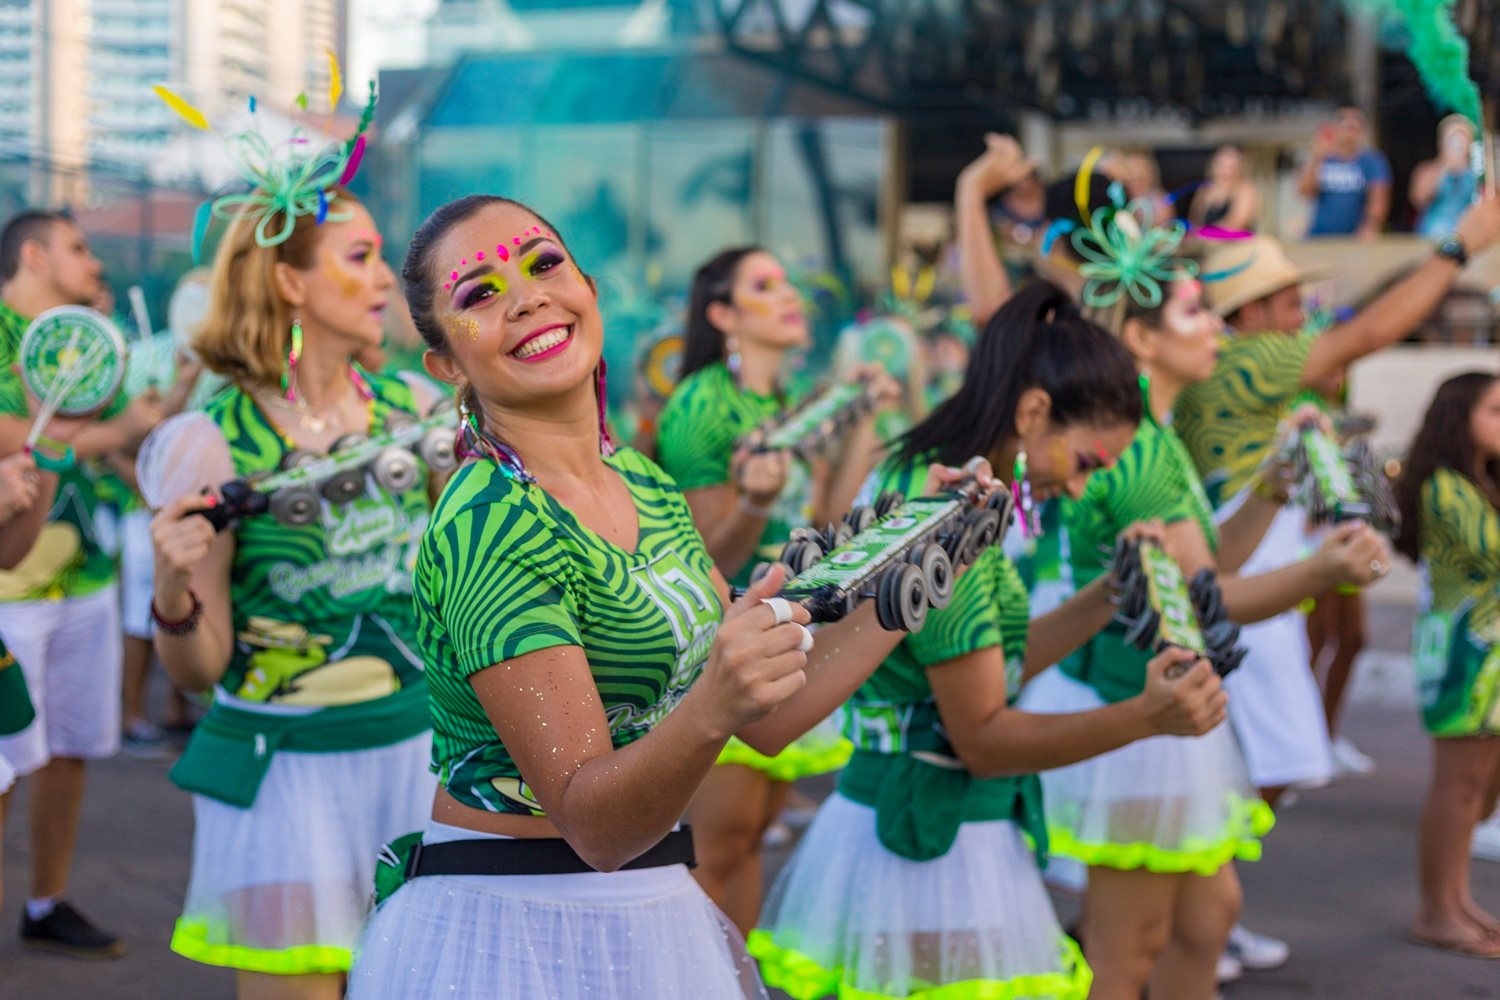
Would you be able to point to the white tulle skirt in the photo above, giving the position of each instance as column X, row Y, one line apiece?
column 1166, row 804
column 284, row 886
column 848, row 918
column 649, row 934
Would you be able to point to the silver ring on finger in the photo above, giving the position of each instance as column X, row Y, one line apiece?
column 780, row 607
column 1379, row 568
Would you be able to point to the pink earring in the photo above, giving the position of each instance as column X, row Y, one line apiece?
column 606, row 444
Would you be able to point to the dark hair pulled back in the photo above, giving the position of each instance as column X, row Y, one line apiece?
column 1037, row 340
column 703, row 343
column 1442, row 442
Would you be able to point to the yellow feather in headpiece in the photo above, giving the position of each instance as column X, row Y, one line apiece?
column 335, row 80
column 1082, row 182
column 189, row 114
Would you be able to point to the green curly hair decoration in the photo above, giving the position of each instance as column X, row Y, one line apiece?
column 1125, row 253
column 286, row 180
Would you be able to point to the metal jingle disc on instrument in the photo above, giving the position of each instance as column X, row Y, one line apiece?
column 77, row 351
column 295, row 506
column 396, row 469
column 436, row 449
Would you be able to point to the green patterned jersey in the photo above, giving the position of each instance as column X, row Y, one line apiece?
column 989, row 608
column 506, row 570
column 1460, row 532
column 322, row 612
column 1154, row 478
column 1229, row 421
column 76, row 553
column 707, row 414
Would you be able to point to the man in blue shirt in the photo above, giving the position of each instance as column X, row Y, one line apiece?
column 1348, row 182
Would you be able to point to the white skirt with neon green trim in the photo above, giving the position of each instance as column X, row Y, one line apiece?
column 1166, row 804
column 644, row 934
column 821, row 750
column 849, row 919
column 284, row 886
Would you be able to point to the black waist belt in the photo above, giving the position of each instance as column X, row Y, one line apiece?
column 549, row 856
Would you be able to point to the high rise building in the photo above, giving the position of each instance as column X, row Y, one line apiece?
column 272, row 49
column 76, row 76
column 42, row 102
column 130, row 47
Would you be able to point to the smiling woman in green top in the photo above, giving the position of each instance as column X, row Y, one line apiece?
column 744, row 320
column 1449, row 494
column 585, row 663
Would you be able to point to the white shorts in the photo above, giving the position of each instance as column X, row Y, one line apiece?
column 70, row 652
column 136, row 563
column 1274, row 702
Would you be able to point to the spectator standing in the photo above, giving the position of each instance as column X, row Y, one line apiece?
column 56, row 605
column 1228, row 197
column 1141, row 177
column 1348, row 183
column 1442, row 187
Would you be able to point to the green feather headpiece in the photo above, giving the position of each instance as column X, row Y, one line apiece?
column 288, row 179
column 1124, row 252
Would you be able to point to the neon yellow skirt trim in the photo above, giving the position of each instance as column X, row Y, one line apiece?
column 800, row 760
column 190, row 939
column 802, row 978
column 1204, row 858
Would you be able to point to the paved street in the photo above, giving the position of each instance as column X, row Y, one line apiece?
column 1337, row 881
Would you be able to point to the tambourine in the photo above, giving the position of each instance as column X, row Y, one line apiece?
column 73, row 360
column 663, row 363
column 887, row 343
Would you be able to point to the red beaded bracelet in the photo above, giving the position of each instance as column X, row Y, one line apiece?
column 187, row 625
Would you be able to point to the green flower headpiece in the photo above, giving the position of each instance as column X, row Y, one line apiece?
column 288, row 179
column 1124, row 251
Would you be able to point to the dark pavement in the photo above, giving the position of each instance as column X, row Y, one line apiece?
column 1338, row 881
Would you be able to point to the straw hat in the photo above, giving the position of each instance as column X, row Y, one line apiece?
column 1253, row 269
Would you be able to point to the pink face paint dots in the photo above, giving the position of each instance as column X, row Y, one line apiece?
column 501, row 252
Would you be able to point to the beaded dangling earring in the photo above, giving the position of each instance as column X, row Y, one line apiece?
column 606, row 444
column 289, row 377
column 732, row 360
column 467, row 444
column 1020, row 488
column 486, row 445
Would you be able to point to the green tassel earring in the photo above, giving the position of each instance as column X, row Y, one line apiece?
column 289, row 377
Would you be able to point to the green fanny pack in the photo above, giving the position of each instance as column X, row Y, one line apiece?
column 920, row 801
column 16, row 711
column 231, row 749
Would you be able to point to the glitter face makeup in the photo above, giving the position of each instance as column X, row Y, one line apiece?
column 462, row 324
column 493, row 282
column 501, row 252
column 349, row 285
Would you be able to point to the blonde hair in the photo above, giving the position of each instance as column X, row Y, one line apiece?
column 247, row 332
